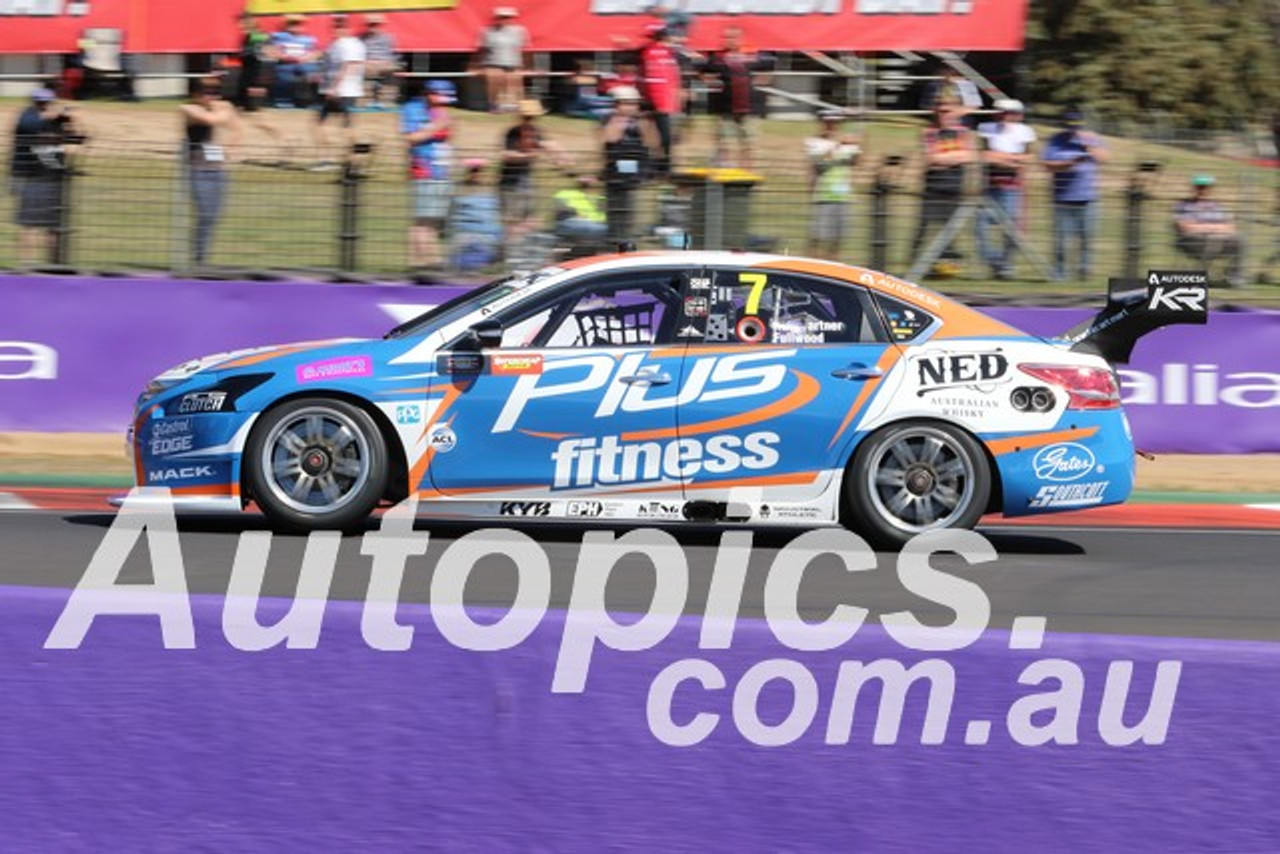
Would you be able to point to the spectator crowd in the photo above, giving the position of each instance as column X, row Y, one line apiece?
column 472, row 214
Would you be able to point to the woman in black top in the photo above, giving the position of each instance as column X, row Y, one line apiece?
column 204, row 157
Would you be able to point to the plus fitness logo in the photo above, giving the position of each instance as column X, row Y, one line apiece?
column 934, row 673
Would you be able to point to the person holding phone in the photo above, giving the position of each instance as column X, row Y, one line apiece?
column 1073, row 156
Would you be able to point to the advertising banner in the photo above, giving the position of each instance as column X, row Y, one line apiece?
column 75, row 352
column 473, row 752
column 152, row 26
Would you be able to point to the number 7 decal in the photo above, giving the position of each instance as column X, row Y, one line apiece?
column 758, row 281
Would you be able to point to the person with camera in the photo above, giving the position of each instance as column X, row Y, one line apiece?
column 38, row 173
column 205, row 157
column 832, row 154
column 1073, row 156
column 631, row 144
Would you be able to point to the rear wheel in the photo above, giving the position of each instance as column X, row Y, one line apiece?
column 914, row 477
column 316, row 463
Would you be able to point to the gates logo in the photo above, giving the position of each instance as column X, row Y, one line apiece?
column 1068, row 461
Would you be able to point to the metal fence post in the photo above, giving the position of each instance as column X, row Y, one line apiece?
column 881, row 188
column 349, row 206
column 62, row 233
column 1135, row 199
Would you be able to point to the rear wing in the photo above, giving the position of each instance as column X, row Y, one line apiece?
column 1138, row 306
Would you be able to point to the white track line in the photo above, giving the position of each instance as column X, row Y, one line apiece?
column 9, row 501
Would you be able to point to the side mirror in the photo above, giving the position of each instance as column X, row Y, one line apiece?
column 487, row 335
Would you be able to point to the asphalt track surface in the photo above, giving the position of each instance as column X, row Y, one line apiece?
column 1171, row 582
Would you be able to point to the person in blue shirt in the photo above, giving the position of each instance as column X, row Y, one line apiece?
column 1073, row 156
column 427, row 127
column 475, row 221
column 297, row 63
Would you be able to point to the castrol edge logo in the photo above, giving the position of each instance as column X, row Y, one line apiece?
column 705, row 379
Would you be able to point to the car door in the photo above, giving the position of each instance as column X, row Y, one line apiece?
column 556, row 409
column 786, row 363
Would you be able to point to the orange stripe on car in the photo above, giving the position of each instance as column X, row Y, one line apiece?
column 554, row 436
column 887, row 360
column 269, row 354
column 1014, row 444
column 452, row 393
column 220, row 490
column 806, row 389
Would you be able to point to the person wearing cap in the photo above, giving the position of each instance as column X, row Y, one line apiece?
column 631, row 144
column 1204, row 229
column 381, row 62
column 831, row 156
column 296, row 55
column 37, row 169
column 426, row 124
column 524, row 145
column 501, row 50
column 1006, row 150
column 949, row 149
column 204, row 118
column 1073, row 156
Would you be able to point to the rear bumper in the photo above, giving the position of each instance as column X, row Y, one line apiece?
column 1088, row 462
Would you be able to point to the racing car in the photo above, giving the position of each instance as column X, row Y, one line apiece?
column 679, row 387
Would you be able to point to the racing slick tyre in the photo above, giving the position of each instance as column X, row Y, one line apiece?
column 316, row 463
column 913, row 477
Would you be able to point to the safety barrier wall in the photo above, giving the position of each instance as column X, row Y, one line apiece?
column 122, row 745
column 75, row 352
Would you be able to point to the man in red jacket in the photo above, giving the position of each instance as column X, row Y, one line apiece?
column 663, row 88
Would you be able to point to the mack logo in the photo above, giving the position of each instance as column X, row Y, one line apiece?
column 525, row 508
column 1068, row 461
column 1178, row 299
column 202, row 401
column 184, row 473
column 973, row 370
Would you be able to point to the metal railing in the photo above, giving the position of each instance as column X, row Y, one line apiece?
column 131, row 208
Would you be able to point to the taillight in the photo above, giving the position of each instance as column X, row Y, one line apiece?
column 1086, row 388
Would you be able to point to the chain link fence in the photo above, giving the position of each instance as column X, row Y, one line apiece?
column 129, row 208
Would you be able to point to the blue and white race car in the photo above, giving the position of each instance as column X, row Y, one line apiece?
column 701, row 387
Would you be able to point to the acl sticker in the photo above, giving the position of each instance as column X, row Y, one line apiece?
column 442, row 438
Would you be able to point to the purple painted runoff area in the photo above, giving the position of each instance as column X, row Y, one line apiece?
column 122, row 745
column 1213, row 389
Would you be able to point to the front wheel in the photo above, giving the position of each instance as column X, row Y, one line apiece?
column 316, row 463
column 914, row 477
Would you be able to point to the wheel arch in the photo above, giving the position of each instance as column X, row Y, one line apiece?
column 398, row 476
column 995, row 502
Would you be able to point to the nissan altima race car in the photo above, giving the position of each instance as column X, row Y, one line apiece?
column 706, row 387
